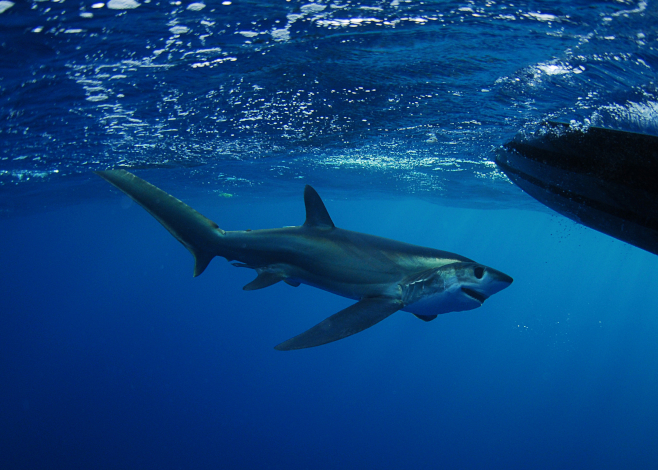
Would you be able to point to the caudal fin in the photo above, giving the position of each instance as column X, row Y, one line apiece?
column 197, row 233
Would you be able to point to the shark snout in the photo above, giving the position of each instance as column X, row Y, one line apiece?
column 497, row 281
column 500, row 277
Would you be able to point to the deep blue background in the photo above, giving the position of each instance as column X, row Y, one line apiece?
column 113, row 356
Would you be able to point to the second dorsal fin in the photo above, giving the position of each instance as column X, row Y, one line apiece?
column 316, row 213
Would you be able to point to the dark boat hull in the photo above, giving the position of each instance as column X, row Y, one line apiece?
column 601, row 178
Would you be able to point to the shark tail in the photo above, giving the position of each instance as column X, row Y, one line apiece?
column 200, row 235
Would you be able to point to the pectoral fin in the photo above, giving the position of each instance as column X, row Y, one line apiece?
column 347, row 322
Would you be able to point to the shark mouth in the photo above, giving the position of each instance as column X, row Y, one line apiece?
column 474, row 295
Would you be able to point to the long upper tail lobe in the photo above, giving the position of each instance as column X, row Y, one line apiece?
column 200, row 235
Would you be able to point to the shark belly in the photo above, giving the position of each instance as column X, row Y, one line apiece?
column 351, row 291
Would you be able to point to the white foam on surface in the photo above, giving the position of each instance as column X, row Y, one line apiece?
column 179, row 30
column 5, row 5
column 122, row 4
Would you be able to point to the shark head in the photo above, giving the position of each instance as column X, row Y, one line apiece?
column 452, row 288
column 477, row 282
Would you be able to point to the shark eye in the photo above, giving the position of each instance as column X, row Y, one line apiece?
column 479, row 272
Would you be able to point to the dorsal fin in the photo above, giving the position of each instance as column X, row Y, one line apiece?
column 316, row 213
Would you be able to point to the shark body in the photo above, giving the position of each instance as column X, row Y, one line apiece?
column 383, row 275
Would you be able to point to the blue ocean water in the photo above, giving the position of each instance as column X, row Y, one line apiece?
column 113, row 356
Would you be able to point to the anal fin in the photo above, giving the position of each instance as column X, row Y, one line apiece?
column 363, row 314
